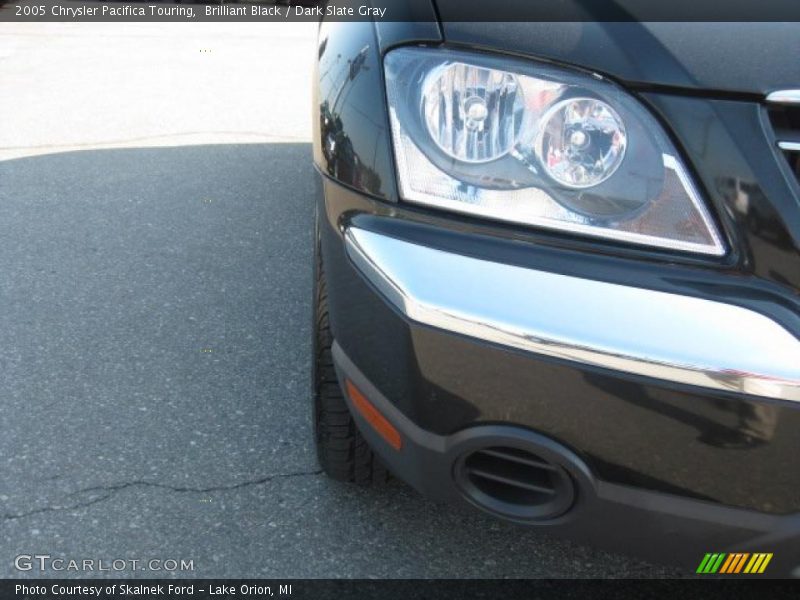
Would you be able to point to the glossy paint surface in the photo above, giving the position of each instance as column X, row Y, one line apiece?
column 351, row 127
column 748, row 58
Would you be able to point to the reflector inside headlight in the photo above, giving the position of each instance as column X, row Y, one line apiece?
column 542, row 146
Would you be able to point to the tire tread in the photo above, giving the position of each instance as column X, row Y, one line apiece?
column 342, row 451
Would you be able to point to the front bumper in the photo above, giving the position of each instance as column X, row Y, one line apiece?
column 449, row 335
column 639, row 522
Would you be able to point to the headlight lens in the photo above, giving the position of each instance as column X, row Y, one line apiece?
column 473, row 114
column 581, row 142
column 542, row 146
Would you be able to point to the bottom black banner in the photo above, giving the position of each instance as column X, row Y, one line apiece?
column 405, row 589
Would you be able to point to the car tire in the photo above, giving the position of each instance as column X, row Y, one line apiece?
column 342, row 451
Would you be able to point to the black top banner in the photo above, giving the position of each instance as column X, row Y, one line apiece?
column 406, row 10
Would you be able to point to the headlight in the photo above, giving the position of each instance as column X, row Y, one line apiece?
column 534, row 144
column 581, row 142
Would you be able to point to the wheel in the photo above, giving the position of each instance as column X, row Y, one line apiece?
column 342, row 451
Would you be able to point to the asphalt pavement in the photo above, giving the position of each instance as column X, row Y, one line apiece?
column 155, row 283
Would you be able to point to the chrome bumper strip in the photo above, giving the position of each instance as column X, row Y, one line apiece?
column 789, row 146
column 784, row 97
column 656, row 334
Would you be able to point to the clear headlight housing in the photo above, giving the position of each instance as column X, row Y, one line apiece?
column 539, row 145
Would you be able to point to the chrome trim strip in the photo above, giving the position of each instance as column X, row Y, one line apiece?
column 789, row 146
column 665, row 336
column 784, row 97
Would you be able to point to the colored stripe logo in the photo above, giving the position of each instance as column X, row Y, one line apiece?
column 734, row 563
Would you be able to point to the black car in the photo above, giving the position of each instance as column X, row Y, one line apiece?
column 558, row 276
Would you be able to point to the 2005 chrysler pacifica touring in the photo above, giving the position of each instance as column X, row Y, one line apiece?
column 558, row 275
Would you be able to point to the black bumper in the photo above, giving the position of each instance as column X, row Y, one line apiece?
column 635, row 521
column 653, row 478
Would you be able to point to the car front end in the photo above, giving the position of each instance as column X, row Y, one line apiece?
column 562, row 285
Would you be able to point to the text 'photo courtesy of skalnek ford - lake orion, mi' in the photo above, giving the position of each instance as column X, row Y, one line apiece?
column 419, row 299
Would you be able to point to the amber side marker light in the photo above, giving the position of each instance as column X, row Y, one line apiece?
column 378, row 422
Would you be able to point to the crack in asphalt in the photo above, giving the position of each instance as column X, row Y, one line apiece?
column 111, row 489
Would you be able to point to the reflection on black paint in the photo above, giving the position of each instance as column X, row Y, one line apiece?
column 754, row 423
column 342, row 161
column 752, row 209
column 353, row 145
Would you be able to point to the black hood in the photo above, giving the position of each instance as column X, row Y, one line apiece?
column 751, row 58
